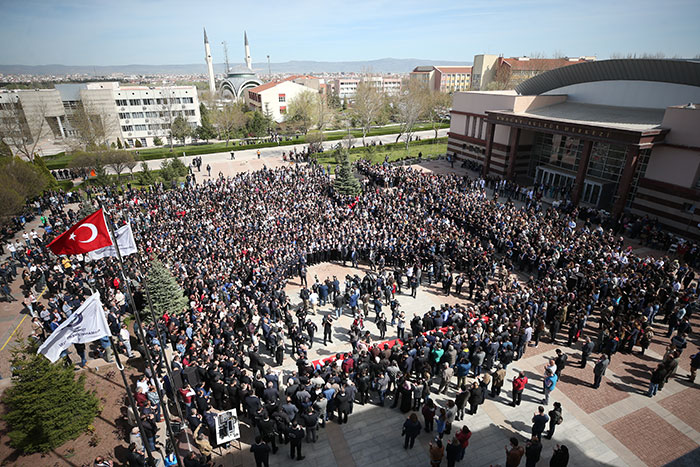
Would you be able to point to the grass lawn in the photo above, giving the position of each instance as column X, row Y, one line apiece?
column 394, row 153
column 62, row 160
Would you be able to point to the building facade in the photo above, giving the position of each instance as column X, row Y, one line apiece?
column 447, row 79
column 618, row 135
column 273, row 98
column 506, row 73
column 129, row 113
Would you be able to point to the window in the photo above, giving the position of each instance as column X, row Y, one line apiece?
column 187, row 100
column 154, row 126
column 189, row 113
column 137, row 115
column 282, row 98
column 174, row 100
column 140, row 127
column 283, row 109
column 143, row 142
column 148, row 102
column 151, row 114
column 121, row 102
column 134, row 101
column 124, row 115
column 127, row 128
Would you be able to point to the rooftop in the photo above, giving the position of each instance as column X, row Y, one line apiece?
column 623, row 118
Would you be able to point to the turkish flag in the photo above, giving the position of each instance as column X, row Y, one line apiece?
column 87, row 235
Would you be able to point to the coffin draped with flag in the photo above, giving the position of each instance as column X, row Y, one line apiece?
column 87, row 235
column 87, row 324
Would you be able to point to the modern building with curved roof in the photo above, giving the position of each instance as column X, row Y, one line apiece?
column 619, row 135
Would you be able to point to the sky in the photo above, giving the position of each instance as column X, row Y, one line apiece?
column 157, row 32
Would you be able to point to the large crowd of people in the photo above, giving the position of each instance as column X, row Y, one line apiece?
column 524, row 271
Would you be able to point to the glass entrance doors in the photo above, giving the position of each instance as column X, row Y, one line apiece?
column 555, row 178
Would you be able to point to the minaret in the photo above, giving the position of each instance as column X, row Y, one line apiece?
column 248, row 62
column 210, row 64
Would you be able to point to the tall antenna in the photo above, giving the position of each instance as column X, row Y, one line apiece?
column 226, row 56
column 269, row 70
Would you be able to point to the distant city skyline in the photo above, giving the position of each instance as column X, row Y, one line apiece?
column 83, row 32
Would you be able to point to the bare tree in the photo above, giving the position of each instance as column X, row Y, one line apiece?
column 119, row 161
column 411, row 105
column 325, row 115
column 367, row 106
column 228, row 119
column 23, row 130
column 167, row 114
column 92, row 125
column 436, row 107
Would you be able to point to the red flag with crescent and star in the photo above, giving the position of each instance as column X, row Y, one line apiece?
column 87, row 235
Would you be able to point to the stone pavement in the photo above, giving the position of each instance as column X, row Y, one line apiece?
column 616, row 425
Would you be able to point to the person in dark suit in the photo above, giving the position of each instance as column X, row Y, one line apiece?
column 586, row 351
column 539, row 422
column 599, row 370
column 560, row 362
column 342, row 403
column 296, row 436
column 533, row 451
column 261, row 451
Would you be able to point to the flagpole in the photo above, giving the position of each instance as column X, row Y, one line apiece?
column 132, row 402
column 140, row 334
column 168, row 366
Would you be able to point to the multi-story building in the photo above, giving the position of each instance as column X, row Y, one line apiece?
column 493, row 71
column 31, row 115
column 617, row 135
column 444, row 78
column 146, row 112
column 273, row 98
column 345, row 88
column 129, row 113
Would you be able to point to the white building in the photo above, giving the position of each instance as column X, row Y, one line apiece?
column 273, row 98
column 148, row 112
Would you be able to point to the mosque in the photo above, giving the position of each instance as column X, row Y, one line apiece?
column 238, row 78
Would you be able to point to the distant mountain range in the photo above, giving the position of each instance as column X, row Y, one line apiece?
column 383, row 65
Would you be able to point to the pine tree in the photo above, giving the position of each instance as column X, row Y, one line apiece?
column 47, row 404
column 166, row 293
column 346, row 182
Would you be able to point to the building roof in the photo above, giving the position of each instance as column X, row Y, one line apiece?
column 293, row 77
column 263, row 87
column 538, row 64
column 661, row 70
column 622, row 118
column 423, row 69
column 454, row 69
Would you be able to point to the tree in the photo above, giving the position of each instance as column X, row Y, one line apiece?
column 346, row 182
column 181, row 129
column 119, row 143
column 92, row 126
column 22, row 129
column 47, row 404
column 228, row 119
column 410, row 108
column 256, row 123
column 206, row 130
column 314, row 139
column 156, row 142
column 172, row 168
column 303, row 110
column 5, row 150
column 119, row 161
column 145, row 176
column 166, row 293
column 93, row 161
column 436, row 107
column 20, row 181
column 367, row 106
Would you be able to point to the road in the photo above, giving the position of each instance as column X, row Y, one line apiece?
column 246, row 159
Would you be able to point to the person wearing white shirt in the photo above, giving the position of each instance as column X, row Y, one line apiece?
column 125, row 339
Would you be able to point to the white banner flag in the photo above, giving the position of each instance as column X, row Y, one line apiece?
column 87, row 324
column 125, row 240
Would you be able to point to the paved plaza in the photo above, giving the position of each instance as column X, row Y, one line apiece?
column 616, row 425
